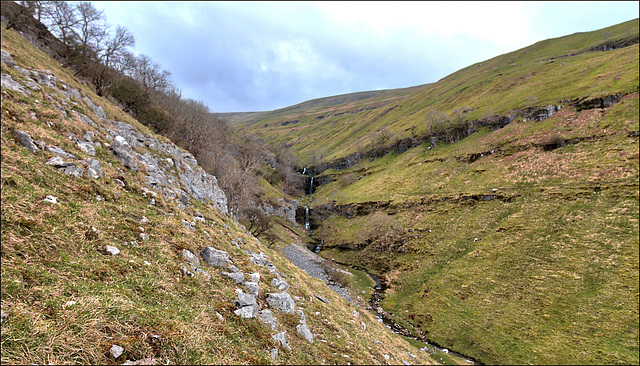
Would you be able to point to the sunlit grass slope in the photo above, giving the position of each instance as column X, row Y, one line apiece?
column 521, row 256
column 68, row 302
column 523, row 78
column 513, row 246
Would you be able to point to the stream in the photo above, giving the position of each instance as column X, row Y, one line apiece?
column 434, row 350
column 311, row 264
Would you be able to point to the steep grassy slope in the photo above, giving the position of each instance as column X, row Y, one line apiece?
column 526, row 256
column 512, row 245
column 517, row 80
column 68, row 301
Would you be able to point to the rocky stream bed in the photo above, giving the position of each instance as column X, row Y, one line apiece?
column 313, row 264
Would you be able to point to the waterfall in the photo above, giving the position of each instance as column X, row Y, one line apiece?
column 304, row 171
column 307, row 226
column 311, row 186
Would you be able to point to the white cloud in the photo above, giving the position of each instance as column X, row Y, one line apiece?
column 504, row 23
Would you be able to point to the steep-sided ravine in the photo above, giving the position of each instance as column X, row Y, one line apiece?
column 312, row 264
column 309, row 261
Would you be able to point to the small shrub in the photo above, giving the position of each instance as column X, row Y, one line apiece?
column 552, row 143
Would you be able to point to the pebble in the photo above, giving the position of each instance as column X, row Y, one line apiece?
column 51, row 199
column 116, row 351
column 112, row 250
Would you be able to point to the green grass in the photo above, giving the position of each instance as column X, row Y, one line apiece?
column 547, row 273
column 327, row 131
column 547, row 276
column 51, row 257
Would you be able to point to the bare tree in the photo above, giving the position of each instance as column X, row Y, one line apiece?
column 113, row 52
column 92, row 28
column 436, row 121
column 150, row 74
column 257, row 221
column 62, row 18
column 38, row 9
column 378, row 141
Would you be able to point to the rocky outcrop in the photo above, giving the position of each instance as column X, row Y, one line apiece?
column 282, row 208
column 177, row 177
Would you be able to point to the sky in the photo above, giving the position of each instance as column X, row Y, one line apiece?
column 261, row 56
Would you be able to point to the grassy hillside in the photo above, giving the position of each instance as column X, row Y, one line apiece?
column 67, row 300
column 526, row 256
column 520, row 79
column 516, row 245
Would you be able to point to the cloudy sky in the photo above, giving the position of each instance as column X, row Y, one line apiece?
column 245, row 56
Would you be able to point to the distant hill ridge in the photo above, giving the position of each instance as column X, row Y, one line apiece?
column 529, row 77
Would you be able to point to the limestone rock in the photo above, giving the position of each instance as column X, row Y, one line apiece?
column 267, row 317
column 252, row 287
column 238, row 277
column 281, row 338
column 215, row 257
column 6, row 58
column 97, row 109
column 247, row 306
column 85, row 119
column 87, row 147
column 94, row 170
column 65, row 166
column 25, row 139
column 203, row 186
column 186, row 272
column 122, row 150
column 245, row 299
column 112, row 250
column 247, row 312
column 304, row 330
column 190, row 257
column 254, row 277
column 259, row 259
column 281, row 301
column 116, row 351
column 74, row 171
column 189, row 225
column 60, row 152
column 280, row 284
column 8, row 82
column 234, row 269
column 202, row 272
column 303, row 319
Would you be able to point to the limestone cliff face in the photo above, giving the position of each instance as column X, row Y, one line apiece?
column 170, row 171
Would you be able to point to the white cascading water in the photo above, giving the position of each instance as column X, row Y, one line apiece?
column 307, row 226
